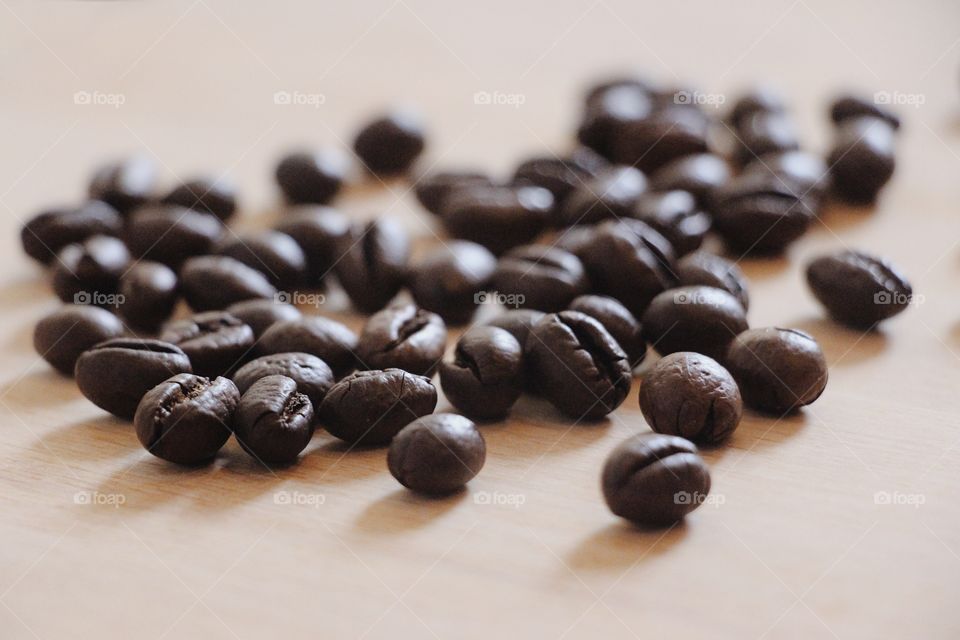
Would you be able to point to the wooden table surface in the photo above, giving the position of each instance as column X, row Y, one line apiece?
column 840, row 522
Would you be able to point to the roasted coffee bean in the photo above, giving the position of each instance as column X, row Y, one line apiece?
column 327, row 339
column 390, row 144
column 486, row 375
column 804, row 173
column 699, row 319
column 276, row 255
column 372, row 266
column 540, row 277
column 312, row 375
column 610, row 194
column 370, row 407
column 117, row 373
column 655, row 480
column 149, row 292
column 260, row 313
column 762, row 133
column 677, row 216
column 858, row 289
column 778, row 370
column 691, row 396
column 608, row 111
column 216, row 197
column 580, row 368
column 635, row 82
column 698, row 174
column 63, row 335
column 90, row 271
column 125, row 185
column 847, row 107
column 307, row 177
column 517, row 322
column 44, row 235
column 186, row 419
column 498, row 218
column 274, row 421
column 432, row 190
column 403, row 337
column 711, row 270
column 664, row 136
column 862, row 159
column 618, row 321
column 449, row 279
column 216, row 342
column 560, row 175
column 216, row 282
column 759, row 100
column 320, row 232
column 171, row 234
column 437, row 454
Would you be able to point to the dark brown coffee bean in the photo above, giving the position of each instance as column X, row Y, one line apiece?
column 762, row 133
column 437, row 454
column 664, row 136
column 847, row 107
column 260, row 314
column 186, row 419
column 403, row 337
column 115, row 374
column 125, row 185
column 702, row 268
column 759, row 100
column 862, row 159
column 700, row 319
column 618, row 321
column 655, row 480
column 540, row 277
column 698, row 174
column 327, row 339
column 498, row 218
column 610, row 194
column 692, row 396
column 320, row 232
column 371, row 407
column 312, row 375
column 60, row 337
column 314, row 177
column 858, row 289
column 560, row 175
column 517, row 322
column 216, row 342
column 486, row 375
column 448, row 279
column 149, row 293
column 432, row 190
column 171, row 234
column 805, row 174
column 216, row 197
column 677, row 216
column 273, row 421
column 580, row 367
column 372, row 266
column 276, row 255
column 608, row 111
column 216, row 282
column 778, row 370
column 390, row 144
column 44, row 235
column 89, row 272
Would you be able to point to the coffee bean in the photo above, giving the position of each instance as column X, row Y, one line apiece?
column 580, row 367
column 778, row 370
column 216, row 197
column 432, row 190
column 403, row 337
column 655, row 480
column 664, row 136
column 540, row 277
column 517, row 322
column 312, row 375
column 862, row 159
column 274, row 422
column 677, row 216
column 276, row 255
column 63, row 335
column 87, row 271
column 448, row 279
column 847, row 107
column 708, row 269
column 498, row 218
column 608, row 111
column 327, row 339
column 610, row 194
column 125, row 185
column 761, row 99
column 117, row 373
column 150, row 292
column 315, row 177
column 390, row 144
column 858, row 289
column 692, row 396
column 170, row 234
column 320, row 232
column 618, row 321
column 371, row 407
column 216, row 282
column 186, row 419
column 437, row 454
column 486, row 375
column 216, row 342
column 372, row 266
column 260, row 314
column 699, row 174
column 44, row 235
column 559, row 175
column 805, row 174
column 634, row 82
column 762, row 133
column 700, row 319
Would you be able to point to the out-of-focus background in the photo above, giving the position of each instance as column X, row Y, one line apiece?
column 841, row 522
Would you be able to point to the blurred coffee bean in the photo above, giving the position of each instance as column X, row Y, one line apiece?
column 274, row 420
column 260, row 313
column 664, row 136
column 862, row 159
column 761, row 99
column 485, row 377
column 171, row 234
column 540, row 277
column 432, row 189
column 215, row 341
column 708, row 269
column 372, row 266
column 847, row 106
column 89, row 272
column 312, row 177
column 391, row 143
column 320, row 232
column 806, row 174
column 611, row 194
column 498, row 218
column 858, row 289
column 273, row 253
column 699, row 174
column 403, row 337
column 762, row 133
column 126, row 184
column 607, row 112
column 677, row 216
column 634, row 82
column 44, row 235
column 327, row 339
column 559, row 175
column 449, row 279
column 150, row 292
column 60, row 337
column 517, row 322
column 618, row 321
column 216, row 282
column 312, row 375
column 699, row 319
column 216, row 197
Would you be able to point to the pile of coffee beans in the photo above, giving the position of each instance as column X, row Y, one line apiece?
column 184, row 327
